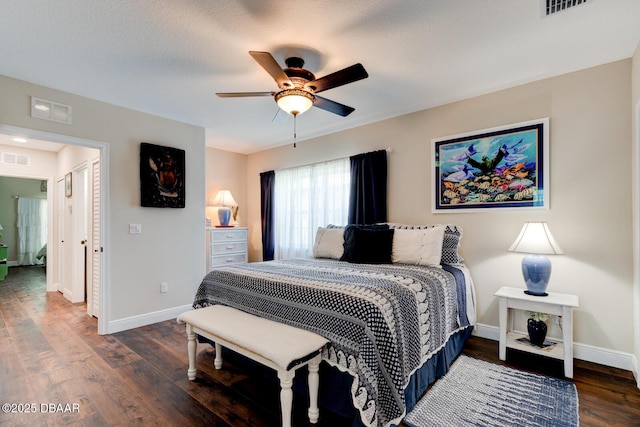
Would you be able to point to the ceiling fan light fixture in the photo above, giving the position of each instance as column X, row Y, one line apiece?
column 294, row 101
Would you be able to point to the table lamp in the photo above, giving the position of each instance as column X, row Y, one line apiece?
column 223, row 200
column 536, row 240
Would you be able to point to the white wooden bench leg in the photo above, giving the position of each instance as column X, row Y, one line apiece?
column 314, row 381
column 218, row 360
column 192, row 346
column 286, row 396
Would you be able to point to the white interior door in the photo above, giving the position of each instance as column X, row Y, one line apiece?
column 93, row 299
column 79, row 218
column 60, row 235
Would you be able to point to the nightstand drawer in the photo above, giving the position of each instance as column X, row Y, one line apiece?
column 228, row 247
column 218, row 261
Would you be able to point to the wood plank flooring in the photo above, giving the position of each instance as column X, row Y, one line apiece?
column 53, row 363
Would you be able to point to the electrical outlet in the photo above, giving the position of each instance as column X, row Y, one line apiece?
column 164, row 287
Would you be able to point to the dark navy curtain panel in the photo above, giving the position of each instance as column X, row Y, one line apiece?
column 267, row 189
column 368, row 196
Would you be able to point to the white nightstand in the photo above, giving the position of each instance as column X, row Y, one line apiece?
column 555, row 303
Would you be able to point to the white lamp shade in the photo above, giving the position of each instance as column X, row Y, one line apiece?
column 224, row 198
column 535, row 238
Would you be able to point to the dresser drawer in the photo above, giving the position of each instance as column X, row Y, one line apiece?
column 220, row 260
column 227, row 235
column 229, row 247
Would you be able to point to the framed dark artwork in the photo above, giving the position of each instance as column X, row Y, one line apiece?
column 68, row 185
column 162, row 176
column 503, row 167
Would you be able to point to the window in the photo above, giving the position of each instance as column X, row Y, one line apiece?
column 306, row 198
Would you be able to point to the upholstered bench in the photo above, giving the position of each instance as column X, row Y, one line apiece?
column 276, row 345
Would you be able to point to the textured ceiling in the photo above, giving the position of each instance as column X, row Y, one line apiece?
column 169, row 57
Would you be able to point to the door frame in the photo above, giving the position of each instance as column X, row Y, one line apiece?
column 103, row 148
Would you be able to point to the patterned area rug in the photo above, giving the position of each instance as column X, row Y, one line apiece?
column 478, row 393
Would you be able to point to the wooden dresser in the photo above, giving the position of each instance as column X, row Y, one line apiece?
column 226, row 245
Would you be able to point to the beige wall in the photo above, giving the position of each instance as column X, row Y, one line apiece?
column 590, row 193
column 170, row 246
column 635, row 108
column 226, row 171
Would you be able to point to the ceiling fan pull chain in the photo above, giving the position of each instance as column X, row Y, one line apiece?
column 295, row 116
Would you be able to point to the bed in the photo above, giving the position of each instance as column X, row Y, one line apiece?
column 396, row 303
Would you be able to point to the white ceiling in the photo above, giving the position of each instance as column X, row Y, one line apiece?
column 169, row 57
column 33, row 144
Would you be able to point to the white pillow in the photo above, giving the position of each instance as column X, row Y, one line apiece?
column 329, row 243
column 418, row 246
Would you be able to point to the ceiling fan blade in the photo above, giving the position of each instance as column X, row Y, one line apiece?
column 271, row 66
column 346, row 75
column 243, row 94
column 332, row 106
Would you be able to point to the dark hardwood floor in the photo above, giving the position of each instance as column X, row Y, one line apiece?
column 54, row 364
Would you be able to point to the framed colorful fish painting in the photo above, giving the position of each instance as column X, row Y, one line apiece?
column 506, row 167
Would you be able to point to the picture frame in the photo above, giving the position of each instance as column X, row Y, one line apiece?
column 68, row 190
column 162, row 176
column 505, row 167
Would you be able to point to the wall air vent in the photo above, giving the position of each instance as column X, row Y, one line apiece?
column 49, row 110
column 14, row 159
column 554, row 6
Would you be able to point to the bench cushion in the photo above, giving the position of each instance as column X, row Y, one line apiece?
column 280, row 343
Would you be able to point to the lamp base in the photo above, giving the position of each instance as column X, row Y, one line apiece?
column 224, row 215
column 536, row 270
column 537, row 295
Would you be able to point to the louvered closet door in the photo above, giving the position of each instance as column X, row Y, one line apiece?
column 94, row 303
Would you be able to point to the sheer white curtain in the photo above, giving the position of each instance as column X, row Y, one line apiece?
column 306, row 198
column 32, row 229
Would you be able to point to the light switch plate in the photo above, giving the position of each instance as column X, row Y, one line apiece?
column 135, row 228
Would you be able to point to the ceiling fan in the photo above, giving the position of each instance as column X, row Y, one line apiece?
column 298, row 88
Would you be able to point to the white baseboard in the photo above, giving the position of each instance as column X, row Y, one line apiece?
column 67, row 294
column 146, row 319
column 589, row 353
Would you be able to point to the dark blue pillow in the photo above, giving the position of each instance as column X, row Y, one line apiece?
column 367, row 244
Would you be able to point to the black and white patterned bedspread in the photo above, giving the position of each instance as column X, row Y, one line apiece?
column 383, row 321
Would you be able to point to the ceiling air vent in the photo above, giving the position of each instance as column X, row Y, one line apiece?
column 554, row 6
column 14, row 159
